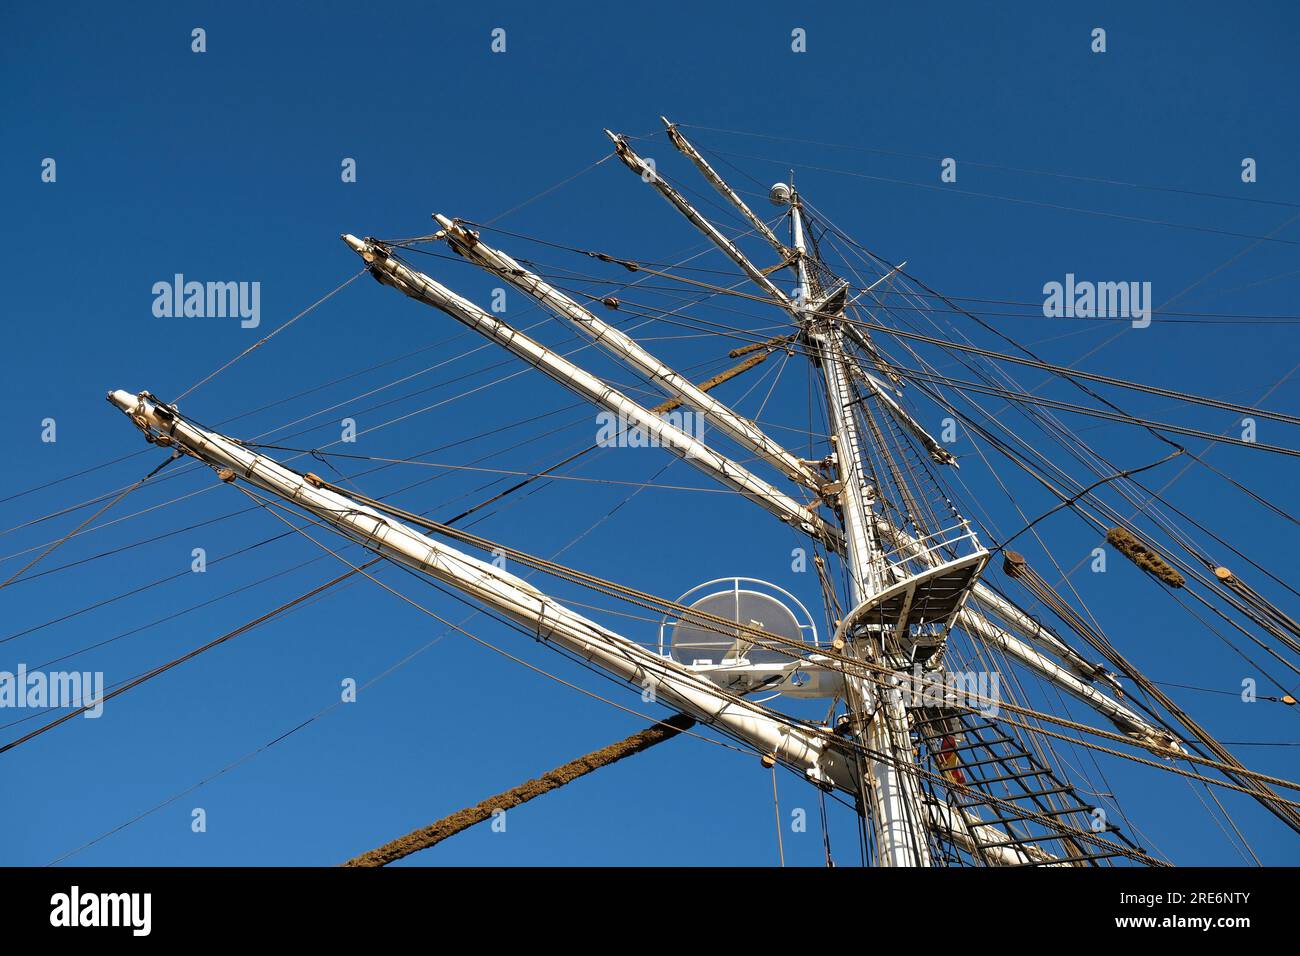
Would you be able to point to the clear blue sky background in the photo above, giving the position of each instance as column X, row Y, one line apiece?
column 225, row 166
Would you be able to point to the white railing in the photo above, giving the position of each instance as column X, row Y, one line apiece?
column 956, row 539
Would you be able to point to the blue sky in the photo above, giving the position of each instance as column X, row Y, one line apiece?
column 225, row 165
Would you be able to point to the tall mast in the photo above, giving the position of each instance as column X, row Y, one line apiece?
column 907, row 590
column 907, row 593
column 889, row 791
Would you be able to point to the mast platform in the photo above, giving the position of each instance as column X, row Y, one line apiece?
column 922, row 605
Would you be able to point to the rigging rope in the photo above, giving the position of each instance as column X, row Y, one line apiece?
column 130, row 488
column 1020, row 571
column 270, row 335
column 639, row 266
column 449, row 826
column 1000, row 166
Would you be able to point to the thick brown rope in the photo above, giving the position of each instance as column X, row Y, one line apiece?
column 449, row 826
column 712, row 383
column 1146, row 559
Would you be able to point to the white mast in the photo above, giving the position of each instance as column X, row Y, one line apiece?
column 891, row 793
column 732, row 474
column 889, row 596
column 896, row 802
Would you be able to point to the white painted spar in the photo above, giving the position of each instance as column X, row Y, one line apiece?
column 684, row 147
column 639, row 166
column 622, row 346
column 893, row 794
column 424, row 289
column 816, row 755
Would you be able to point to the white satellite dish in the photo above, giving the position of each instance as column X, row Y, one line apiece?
column 732, row 657
column 695, row 643
column 745, row 601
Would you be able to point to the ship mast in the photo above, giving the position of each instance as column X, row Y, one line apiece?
column 906, row 591
column 908, row 577
column 879, row 719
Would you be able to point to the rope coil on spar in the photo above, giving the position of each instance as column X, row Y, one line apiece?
column 631, row 264
column 1018, row 569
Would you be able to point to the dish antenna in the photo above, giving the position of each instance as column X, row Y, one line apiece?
column 737, row 659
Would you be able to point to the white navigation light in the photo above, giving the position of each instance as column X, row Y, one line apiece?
column 779, row 195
